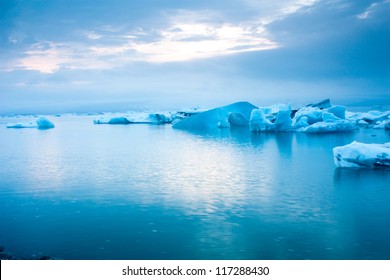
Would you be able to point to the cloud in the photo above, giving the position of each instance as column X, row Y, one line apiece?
column 372, row 9
column 184, row 41
column 45, row 57
column 181, row 35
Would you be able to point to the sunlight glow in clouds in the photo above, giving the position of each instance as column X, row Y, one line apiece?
column 45, row 57
column 184, row 41
column 179, row 42
column 188, row 36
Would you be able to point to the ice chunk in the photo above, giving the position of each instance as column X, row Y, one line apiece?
column 329, row 117
column 302, row 123
column 362, row 123
column 382, row 124
column 44, row 123
column 22, row 125
column 338, row 111
column 159, row 118
column 136, row 118
column 258, row 122
column 362, row 155
column 114, row 120
column 334, row 126
column 236, row 114
column 40, row 123
column 313, row 115
column 373, row 117
column 283, row 120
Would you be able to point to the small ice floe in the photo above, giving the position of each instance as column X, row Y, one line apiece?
column 40, row 123
column 136, row 118
column 362, row 155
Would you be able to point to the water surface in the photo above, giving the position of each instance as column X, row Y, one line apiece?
column 84, row 191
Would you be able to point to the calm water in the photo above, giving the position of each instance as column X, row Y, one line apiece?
column 84, row 191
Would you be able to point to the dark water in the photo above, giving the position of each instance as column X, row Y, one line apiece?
column 84, row 191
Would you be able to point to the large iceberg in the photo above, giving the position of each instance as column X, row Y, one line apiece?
column 362, row 155
column 40, row 123
column 236, row 114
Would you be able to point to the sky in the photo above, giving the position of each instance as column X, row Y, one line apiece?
column 69, row 55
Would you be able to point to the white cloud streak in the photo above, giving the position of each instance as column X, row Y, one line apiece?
column 371, row 9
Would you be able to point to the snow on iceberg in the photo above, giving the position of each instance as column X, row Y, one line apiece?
column 41, row 123
column 236, row 114
column 362, row 155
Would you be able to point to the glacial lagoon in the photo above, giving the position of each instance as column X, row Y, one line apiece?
column 85, row 191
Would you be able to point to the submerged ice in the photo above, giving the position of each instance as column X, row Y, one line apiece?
column 362, row 155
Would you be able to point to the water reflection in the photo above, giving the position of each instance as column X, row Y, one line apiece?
column 361, row 178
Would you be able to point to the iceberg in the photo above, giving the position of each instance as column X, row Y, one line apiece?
column 371, row 117
column 136, row 118
column 362, row 155
column 313, row 115
column 337, row 110
column 382, row 124
column 236, row 114
column 258, row 122
column 302, row 123
column 283, row 120
column 330, row 126
column 329, row 117
column 40, row 123
column 114, row 120
column 44, row 123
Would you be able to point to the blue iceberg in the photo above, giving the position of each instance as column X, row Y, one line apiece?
column 233, row 115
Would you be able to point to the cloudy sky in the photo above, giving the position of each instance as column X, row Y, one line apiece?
column 71, row 55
